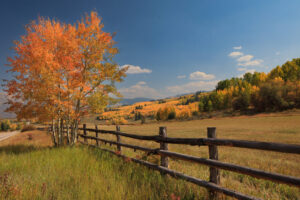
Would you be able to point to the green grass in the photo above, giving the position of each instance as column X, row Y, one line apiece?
column 27, row 172
column 282, row 128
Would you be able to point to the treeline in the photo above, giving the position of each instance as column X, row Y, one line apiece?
column 253, row 92
column 6, row 125
column 258, row 91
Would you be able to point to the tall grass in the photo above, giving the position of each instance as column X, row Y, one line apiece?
column 82, row 173
column 282, row 128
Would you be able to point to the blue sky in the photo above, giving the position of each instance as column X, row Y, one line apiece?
column 174, row 47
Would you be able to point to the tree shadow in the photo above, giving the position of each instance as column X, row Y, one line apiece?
column 18, row 149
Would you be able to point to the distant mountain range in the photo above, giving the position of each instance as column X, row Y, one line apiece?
column 3, row 106
column 133, row 101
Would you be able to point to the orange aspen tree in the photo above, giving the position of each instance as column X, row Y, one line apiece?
column 63, row 72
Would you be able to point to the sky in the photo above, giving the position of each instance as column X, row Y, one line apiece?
column 174, row 47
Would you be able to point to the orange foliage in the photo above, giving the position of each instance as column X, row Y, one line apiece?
column 60, row 68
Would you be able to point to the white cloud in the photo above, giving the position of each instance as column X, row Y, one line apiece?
column 256, row 62
column 140, row 89
column 277, row 53
column 136, row 69
column 235, row 54
column 181, row 76
column 238, row 47
column 192, row 87
column 141, row 83
column 245, row 58
column 201, row 76
column 242, row 69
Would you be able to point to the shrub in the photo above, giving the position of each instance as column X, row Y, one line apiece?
column 143, row 119
column 28, row 128
column 242, row 102
column 161, row 101
column 139, row 107
column 5, row 125
column 166, row 113
column 171, row 113
column 195, row 113
column 184, row 114
column 201, row 106
column 13, row 127
column 18, row 126
column 137, row 116
column 209, row 106
column 117, row 121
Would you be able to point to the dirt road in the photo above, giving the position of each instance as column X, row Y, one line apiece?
column 5, row 135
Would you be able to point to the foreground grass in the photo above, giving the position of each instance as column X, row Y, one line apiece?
column 275, row 127
column 27, row 172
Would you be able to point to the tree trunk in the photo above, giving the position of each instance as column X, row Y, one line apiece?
column 53, row 133
column 59, row 132
column 68, row 133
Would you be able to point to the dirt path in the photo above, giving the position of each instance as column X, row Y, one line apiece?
column 5, row 135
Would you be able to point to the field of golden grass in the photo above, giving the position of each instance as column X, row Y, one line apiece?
column 276, row 127
column 30, row 152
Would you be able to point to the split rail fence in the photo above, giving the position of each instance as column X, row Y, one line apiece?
column 213, row 185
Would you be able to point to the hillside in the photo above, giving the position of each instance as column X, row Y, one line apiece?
column 133, row 101
column 255, row 92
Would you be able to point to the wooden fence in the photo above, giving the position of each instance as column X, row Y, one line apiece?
column 214, row 165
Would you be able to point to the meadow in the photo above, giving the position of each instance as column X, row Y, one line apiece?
column 281, row 127
column 31, row 169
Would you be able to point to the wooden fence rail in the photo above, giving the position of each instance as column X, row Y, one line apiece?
column 268, row 146
column 212, row 142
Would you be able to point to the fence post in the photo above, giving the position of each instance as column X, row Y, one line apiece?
column 118, row 139
column 84, row 133
column 214, row 175
column 96, row 128
column 164, row 161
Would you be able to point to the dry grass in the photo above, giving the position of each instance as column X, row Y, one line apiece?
column 30, row 138
column 279, row 127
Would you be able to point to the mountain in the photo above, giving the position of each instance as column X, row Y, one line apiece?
column 133, row 101
column 3, row 106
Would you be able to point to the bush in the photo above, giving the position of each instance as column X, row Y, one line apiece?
column 18, row 127
column 166, row 113
column 273, row 96
column 195, row 113
column 13, row 127
column 137, row 116
column 139, row 107
column 5, row 125
column 172, row 113
column 117, row 121
column 242, row 102
column 201, row 106
column 209, row 106
column 28, row 128
column 143, row 119
column 184, row 114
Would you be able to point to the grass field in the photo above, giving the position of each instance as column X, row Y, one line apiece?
column 277, row 127
column 80, row 173
column 35, row 171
